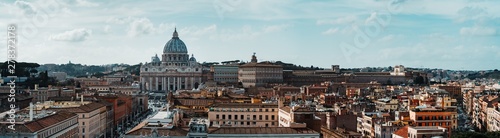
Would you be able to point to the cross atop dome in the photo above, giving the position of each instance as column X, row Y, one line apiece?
column 175, row 35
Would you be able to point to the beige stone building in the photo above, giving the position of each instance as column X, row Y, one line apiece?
column 243, row 115
column 92, row 116
column 256, row 74
column 493, row 119
column 44, row 124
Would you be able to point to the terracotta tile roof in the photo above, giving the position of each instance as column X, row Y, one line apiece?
column 286, row 109
column 82, row 109
column 193, row 102
column 303, row 109
column 49, row 121
column 402, row 132
column 263, row 130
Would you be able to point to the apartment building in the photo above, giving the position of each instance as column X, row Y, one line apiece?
column 243, row 115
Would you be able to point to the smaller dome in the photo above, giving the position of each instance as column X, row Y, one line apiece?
column 192, row 58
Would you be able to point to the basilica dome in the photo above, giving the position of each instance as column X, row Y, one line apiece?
column 175, row 45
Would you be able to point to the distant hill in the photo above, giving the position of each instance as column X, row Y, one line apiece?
column 493, row 74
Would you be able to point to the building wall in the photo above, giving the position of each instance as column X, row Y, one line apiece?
column 493, row 119
column 252, row 117
column 443, row 119
column 91, row 123
column 255, row 76
column 225, row 73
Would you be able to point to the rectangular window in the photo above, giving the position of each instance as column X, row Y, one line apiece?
column 229, row 117
column 235, row 117
column 254, row 117
column 223, row 116
column 217, row 116
column 272, row 117
column 267, row 117
column 260, row 117
column 242, row 117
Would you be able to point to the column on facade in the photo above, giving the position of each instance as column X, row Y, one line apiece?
column 150, row 85
column 186, row 82
column 168, row 83
column 163, row 84
column 192, row 82
column 143, row 83
column 156, row 83
column 175, row 84
column 179, row 82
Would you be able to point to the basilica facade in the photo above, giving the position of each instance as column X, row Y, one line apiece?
column 175, row 71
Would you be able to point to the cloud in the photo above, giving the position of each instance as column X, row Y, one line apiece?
column 481, row 31
column 75, row 35
column 331, row 31
column 81, row 3
column 372, row 17
column 341, row 20
column 106, row 29
column 142, row 26
column 85, row 3
column 387, row 38
column 275, row 28
column 25, row 7
column 116, row 20
column 471, row 13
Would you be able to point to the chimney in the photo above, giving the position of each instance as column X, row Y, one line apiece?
column 36, row 87
column 81, row 100
column 31, row 111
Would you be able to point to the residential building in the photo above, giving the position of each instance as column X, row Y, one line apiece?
column 299, row 117
column 493, row 119
column 387, row 104
column 420, row 132
column 42, row 124
column 41, row 94
column 243, row 115
column 435, row 116
column 92, row 116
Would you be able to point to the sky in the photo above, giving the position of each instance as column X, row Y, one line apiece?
column 447, row 34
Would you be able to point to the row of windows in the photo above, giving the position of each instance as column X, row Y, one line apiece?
column 433, row 118
column 243, row 109
column 434, row 124
column 262, row 69
column 238, row 123
column 260, row 80
column 235, row 117
column 176, row 64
